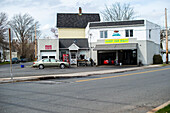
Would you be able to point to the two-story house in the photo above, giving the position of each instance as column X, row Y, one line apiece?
column 124, row 42
column 73, row 44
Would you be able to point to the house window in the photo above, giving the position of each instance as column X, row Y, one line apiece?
column 149, row 33
column 103, row 34
column 129, row 33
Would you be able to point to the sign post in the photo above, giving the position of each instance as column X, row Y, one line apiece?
column 167, row 61
column 9, row 31
column 35, row 45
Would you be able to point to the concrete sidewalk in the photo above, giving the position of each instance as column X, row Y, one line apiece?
column 79, row 74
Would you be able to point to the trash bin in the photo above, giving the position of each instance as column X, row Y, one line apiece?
column 22, row 66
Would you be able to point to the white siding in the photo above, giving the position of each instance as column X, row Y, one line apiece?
column 139, row 32
column 147, row 47
column 53, row 42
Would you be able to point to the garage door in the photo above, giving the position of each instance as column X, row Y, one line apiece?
column 48, row 55
column 106, row 56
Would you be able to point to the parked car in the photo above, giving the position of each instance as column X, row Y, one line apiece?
column 15, row 60
column 49, row 62
column 24, row 60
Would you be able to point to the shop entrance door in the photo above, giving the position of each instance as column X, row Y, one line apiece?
column 73, row 57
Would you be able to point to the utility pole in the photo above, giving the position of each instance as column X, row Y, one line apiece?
column 9, row 31
column 90, row 46
column 35, row 45
column 166, row 36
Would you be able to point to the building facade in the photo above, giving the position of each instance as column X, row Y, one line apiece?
column 73, row 44
column 124, row 42
column 48, row 48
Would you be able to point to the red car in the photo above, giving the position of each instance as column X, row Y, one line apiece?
column 107, row 62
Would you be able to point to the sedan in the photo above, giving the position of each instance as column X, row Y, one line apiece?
column 15, row 60
column 50, row 63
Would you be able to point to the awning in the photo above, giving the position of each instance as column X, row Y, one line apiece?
column 116, row 46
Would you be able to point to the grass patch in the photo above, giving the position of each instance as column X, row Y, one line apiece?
column 164, row 64
column 3, row 63
column 164, row 110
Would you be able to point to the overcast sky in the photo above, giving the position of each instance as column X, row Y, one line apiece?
column 45, row 11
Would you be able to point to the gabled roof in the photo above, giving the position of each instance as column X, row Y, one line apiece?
column 74, row 20
column 118, row 23
column 66, row 43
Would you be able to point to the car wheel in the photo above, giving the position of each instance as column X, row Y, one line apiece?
column 62, row 66
column 41, row 66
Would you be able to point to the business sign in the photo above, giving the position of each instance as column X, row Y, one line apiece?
column 116, row 33
column 112, row 41
column 48, row 47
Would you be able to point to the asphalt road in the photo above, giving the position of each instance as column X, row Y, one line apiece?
column 17, row 71
column 129, row 92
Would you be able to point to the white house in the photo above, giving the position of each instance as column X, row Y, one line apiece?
column 127, row 42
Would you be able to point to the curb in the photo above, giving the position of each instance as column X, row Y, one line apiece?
column 159, row 107
column 79, row 74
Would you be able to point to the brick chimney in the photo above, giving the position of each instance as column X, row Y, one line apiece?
column 80, row 11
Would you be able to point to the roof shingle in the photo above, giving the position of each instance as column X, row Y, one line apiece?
column 74, row 20
column 118, row 23
column 66, row 43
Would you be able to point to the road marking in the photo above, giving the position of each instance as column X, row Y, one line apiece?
column 121, row 75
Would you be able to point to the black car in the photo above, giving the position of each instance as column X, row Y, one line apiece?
column 15, row 60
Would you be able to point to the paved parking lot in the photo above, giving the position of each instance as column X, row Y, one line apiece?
column 17, row 71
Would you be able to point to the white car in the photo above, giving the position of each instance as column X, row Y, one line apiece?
column 49, row 62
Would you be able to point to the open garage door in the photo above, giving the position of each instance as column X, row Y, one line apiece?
column 106, row 57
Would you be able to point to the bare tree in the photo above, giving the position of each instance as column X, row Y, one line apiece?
column 163, row 37
column 118, row 12
column 3, row 33
column 55, row 32
column 24, row 27
column 3, row 28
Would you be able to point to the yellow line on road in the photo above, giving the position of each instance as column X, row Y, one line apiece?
column 122, row 75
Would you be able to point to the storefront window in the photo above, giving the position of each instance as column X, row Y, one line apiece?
column 82, row 57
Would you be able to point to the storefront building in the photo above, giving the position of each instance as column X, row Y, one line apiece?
column 124, row 42
column 73, row 44
column 72, row 50
column 48, row 48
